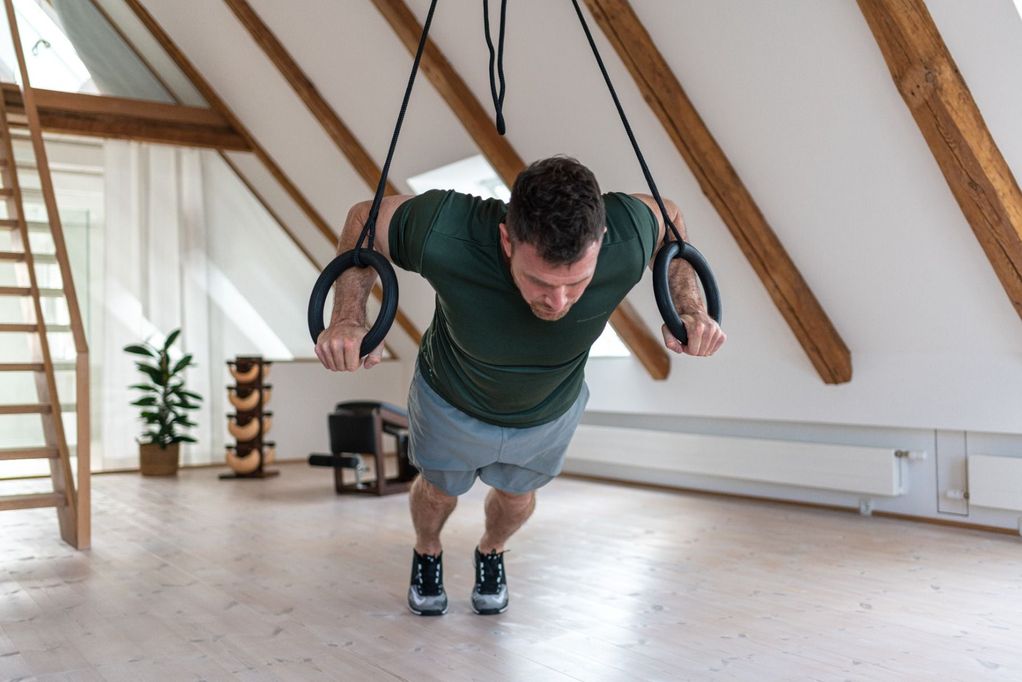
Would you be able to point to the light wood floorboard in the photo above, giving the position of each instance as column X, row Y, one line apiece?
column 280, row 579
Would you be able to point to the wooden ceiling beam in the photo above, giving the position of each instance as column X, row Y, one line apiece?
column 477, row 121
column 725, row 190
column 214, row 100
column 928, row 79
column 127, row 119
column 306, row 90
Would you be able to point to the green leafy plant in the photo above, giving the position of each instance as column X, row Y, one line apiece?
column 164, row 403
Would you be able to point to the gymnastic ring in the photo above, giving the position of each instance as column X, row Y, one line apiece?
column 388, row 307
column 662, row 288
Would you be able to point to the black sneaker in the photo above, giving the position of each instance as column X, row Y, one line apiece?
column 490, row 595
column 426, row 596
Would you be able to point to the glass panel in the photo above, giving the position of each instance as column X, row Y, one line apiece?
column 70, row 46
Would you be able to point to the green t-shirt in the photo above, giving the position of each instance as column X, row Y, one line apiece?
column 485, row 352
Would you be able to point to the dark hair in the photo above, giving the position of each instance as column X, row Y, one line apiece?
column 556, row 206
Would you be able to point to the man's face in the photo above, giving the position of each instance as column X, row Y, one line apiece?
column 550, row 290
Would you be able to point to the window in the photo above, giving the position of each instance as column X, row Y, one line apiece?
column 476, row 176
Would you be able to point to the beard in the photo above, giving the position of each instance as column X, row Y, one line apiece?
column 546, row 314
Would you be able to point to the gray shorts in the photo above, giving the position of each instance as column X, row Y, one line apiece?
column 451, row 448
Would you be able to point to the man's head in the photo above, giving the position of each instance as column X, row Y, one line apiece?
column 552, row 234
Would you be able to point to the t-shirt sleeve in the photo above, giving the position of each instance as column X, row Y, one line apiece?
column 411, row 226
column 649, row 227
column 641, row 218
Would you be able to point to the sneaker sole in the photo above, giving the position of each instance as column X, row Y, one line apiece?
column 427, row 613
column 490, row 612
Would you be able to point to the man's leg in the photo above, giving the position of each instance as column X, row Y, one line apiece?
column 430, row 508
column 505, row 514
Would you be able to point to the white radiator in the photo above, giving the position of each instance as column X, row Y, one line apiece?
column 854, row 469
column 995, row 481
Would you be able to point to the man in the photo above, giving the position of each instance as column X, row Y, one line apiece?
column 522, row 292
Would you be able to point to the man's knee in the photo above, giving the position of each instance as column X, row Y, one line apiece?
column 432, row 492
column 515, row 499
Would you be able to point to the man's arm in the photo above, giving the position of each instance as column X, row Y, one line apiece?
column 338, row 346
column 705, row 336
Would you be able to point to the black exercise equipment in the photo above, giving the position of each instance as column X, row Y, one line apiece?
column 358, row 257
column 678, row 248
column 356, row 431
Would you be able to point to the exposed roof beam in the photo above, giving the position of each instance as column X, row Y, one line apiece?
column 725, row 190
column 128, row 119
column 210, row 95
column 304, row 87
column 939, row 99
column 505, row 160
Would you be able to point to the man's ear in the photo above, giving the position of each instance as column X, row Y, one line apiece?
column 505, row 240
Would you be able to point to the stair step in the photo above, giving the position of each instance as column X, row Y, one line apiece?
column 6, row 192
column 19, row 257
column 31, row 501
column 28, row 453
column 34, row 408
column 35, row 367
column 33, row 225
column 21, row 367
column 26, row 291
column 32, row 328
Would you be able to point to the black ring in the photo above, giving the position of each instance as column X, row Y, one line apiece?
column 662, row 287
column 388, row 308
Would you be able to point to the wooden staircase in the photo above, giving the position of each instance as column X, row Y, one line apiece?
column 72, row 505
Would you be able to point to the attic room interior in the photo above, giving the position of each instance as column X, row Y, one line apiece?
column 663, row 340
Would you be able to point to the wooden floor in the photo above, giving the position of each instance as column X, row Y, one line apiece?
column 197, row 578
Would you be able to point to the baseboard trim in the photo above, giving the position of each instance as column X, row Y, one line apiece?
column 793, row 503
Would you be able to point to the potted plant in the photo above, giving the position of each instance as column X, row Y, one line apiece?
column 164, row 406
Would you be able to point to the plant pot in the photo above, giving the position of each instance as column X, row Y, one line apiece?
column 157, row 461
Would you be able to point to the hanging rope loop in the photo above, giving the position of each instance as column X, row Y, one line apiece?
column 498, row 96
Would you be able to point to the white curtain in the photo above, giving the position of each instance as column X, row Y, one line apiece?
column 185, row 244
column 154, row 279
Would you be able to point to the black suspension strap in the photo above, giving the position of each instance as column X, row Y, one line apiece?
column 498, row 97
column 678, row 248
column 369, row 231
column 628, row 128
column 363, row 255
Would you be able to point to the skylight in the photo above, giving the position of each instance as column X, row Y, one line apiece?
column 52, row 60
column 476, row 176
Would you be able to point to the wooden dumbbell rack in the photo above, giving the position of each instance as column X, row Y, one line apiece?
column 256, row 446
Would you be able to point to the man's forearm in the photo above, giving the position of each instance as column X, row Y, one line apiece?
column 684, row 287
column 353, row 287
column 682, row 277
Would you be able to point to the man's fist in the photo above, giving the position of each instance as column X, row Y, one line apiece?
column 705, row 337
column 338, row 348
